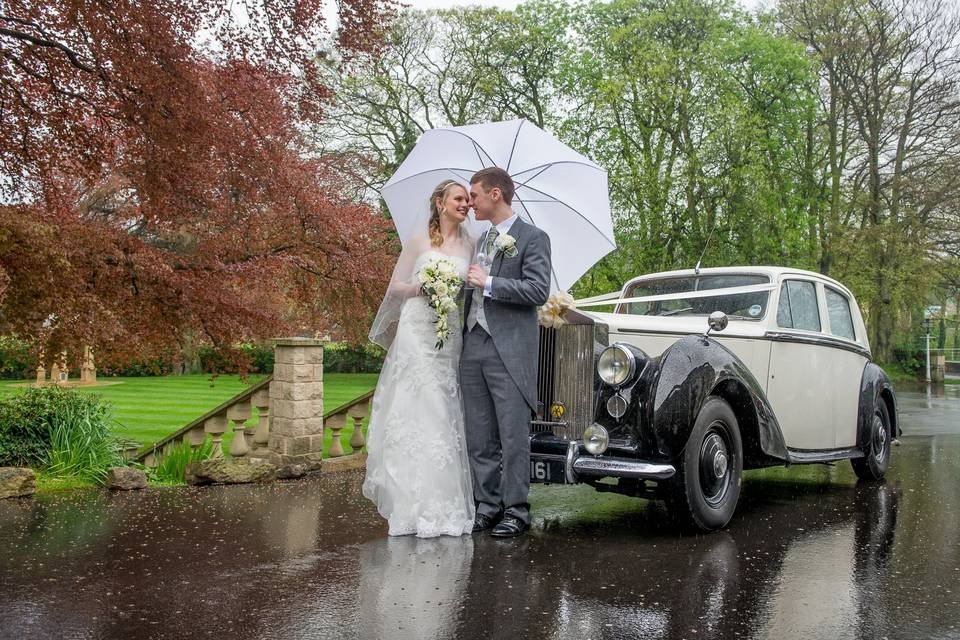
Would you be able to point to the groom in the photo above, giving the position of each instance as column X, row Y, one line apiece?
column 498, row 366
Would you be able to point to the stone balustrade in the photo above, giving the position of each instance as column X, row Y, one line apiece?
column 289, row 425
column 351, row 414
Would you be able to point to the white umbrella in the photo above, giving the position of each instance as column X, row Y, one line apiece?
column 558, row 190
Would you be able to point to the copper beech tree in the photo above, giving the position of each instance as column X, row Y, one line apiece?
column 155, row 191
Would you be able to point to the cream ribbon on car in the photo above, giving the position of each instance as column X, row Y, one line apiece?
column 614, row 298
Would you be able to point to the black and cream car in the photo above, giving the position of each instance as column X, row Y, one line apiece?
column 697, row 375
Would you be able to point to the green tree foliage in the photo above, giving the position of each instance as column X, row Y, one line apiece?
column 823, row 135
column 698, row 115
column 443, row 68
column 889, row 130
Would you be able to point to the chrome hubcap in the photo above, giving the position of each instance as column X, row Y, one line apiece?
column 714, row 466
column 719, row 464
column 879, row 438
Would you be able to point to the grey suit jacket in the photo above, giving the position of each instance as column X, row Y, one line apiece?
column 520, row 285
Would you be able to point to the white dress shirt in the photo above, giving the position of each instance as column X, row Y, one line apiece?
column 502, row 228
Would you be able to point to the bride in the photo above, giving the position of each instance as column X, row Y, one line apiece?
column 418, row 472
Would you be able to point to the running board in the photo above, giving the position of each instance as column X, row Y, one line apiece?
column 804, row 456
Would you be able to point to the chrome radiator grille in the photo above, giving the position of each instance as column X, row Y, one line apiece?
column 566, row 373
column 545, row 371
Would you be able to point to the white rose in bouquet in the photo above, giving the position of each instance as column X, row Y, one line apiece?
column 441, row 284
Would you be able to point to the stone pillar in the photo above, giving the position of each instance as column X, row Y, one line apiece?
column 88, row 371
column 938, row 366
column 63, row 371
column 296, row 402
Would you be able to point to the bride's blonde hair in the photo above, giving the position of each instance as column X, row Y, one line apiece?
column 433, row 227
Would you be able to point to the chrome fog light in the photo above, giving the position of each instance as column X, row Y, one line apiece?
column 595, row 439
column 616, row 365
column 616, row 406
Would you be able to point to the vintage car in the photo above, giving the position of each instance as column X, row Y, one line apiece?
column 697, row 375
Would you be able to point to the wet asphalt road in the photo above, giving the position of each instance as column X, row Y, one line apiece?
column 810, row 554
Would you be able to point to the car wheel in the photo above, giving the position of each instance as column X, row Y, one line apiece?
column 876, row 459
column 706, row 489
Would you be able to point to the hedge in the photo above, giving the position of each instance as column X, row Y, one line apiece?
column 16, row 362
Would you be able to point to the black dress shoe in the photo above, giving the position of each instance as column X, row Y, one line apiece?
column 482, row 522
column 509, row 527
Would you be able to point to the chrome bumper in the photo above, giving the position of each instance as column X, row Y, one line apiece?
column 577, row 466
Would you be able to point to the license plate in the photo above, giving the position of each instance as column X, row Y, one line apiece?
column 546, row 471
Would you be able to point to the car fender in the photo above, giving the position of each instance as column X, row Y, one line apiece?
column 678, row 383
column 875, row 387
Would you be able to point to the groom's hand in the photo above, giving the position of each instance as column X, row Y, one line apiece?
column 476, row 276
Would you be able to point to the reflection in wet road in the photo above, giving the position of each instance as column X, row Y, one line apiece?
column 810, row 554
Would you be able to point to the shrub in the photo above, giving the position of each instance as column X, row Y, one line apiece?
column 81, row 445
column 345, row 358
column 261, row 357
column 136, row 368
column 172, row 465
column 25, row 420
column 912, row 360
column 62, row 431
column 257, row 358
column 337, row 358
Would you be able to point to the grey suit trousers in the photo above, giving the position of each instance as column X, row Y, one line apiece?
column 496, row 413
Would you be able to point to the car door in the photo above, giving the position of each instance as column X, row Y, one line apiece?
column 848, row 360
column 799, row 379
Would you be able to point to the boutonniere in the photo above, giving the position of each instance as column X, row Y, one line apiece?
column 507, row 245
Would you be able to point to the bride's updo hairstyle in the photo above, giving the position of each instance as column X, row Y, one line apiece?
column 440, row 191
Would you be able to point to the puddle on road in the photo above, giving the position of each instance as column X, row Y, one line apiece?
column 810, row 553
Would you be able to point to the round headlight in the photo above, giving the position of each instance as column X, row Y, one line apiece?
column 616, row 406
column 595, row 439
column 616, row 365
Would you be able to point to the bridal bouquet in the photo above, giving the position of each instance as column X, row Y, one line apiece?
column 441, row 283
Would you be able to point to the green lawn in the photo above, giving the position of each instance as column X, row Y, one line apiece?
column 149, row 408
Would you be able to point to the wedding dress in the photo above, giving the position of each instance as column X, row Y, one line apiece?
column 418, row 473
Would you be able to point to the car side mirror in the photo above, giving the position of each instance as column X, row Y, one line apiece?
column 717, row 321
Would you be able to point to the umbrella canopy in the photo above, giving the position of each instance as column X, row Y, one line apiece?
column 557, row 189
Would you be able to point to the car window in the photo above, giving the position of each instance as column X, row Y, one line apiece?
column 838, row 310
column 798, row 306
column 749, row 306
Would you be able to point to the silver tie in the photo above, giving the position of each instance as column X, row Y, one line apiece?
column 476, row 307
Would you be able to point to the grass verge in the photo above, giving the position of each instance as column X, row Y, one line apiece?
column 898, row 373
column 149, row 408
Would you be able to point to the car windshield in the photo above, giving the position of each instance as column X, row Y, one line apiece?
column 749, row 306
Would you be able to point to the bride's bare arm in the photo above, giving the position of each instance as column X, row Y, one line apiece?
column 404, row 289
column 404, row 283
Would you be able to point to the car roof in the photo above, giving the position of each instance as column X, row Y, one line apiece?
column 774, row 274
